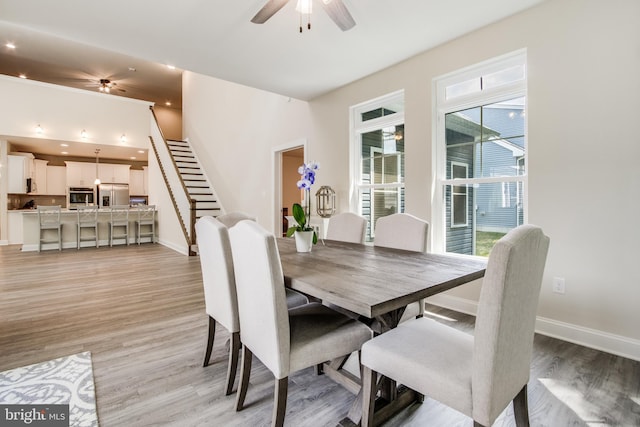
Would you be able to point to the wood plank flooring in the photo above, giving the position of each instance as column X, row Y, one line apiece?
column 140, row 311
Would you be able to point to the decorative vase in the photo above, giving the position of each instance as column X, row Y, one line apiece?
column 304, row 240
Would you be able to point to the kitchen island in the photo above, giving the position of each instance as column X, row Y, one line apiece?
column 69, row 219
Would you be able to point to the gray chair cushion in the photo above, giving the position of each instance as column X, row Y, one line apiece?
column 428, row 357
column 319, row 334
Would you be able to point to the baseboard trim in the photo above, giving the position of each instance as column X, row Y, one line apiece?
column 178, row 248
column 592, row 338
column 4, row 243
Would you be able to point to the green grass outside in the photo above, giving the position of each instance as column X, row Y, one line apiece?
column 485, row 241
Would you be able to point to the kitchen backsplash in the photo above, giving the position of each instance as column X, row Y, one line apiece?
column 20, row 201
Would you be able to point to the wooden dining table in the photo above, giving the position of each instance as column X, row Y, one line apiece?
column 375, row 284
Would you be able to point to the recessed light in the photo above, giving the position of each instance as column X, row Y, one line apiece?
column 64, row 152
column 64, row 145
column 10, row 45
column 141, row 151
column 132, row 157
column 132, row 69
column 22, row 76
column 168, row 103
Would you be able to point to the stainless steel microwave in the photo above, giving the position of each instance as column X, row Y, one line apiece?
column 80, row 196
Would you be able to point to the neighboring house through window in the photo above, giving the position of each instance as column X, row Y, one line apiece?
column 481, row 155
column 377, row 160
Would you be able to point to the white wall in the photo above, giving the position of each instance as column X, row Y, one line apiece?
column 584, row 92
column 233, row 129
column 584, row 96
column 63, row 112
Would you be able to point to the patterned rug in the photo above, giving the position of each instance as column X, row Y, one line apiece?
column 67, row 380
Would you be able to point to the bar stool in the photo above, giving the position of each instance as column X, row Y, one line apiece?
column 49, row 220
column 146, row 218
column 119, row 219
column 87, row 218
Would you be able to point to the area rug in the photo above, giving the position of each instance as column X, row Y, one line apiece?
column 67, row 380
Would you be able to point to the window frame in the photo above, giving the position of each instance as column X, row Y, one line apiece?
column 358, row 127
column 443, row 106
column 466, row 194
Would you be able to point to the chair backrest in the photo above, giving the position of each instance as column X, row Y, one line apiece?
column 264, row 320
column 87, row 214
column 232, row 218
column 218, row 278
column 505, row 320
column 402, row 231
column 347, row 227
column 49, row 215
column 119, row 213
column 146, row 213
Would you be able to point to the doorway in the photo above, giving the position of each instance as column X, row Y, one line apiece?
column 287, row 161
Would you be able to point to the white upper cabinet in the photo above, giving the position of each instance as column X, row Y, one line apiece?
column 81, row 174
column 137, row 185
column 109, row 173
column 39, row 177
column 56, row 180
column 19, row 169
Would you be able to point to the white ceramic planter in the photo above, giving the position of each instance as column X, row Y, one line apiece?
column 304, row 240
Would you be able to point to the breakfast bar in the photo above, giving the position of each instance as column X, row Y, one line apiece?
column 69, row 221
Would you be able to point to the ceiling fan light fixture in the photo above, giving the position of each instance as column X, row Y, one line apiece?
column 305, row 7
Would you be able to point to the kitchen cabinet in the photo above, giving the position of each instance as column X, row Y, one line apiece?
column 56, row 180
column 81, row 174
column 39, row 177
column 14, row 219
column 136, row 182
column 19, row 169
column 110, row 173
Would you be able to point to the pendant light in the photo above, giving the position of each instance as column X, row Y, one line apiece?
column 97, row 181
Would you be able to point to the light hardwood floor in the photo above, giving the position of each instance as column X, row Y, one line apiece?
column 140, row 311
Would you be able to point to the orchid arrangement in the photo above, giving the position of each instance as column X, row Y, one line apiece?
column 307, row 178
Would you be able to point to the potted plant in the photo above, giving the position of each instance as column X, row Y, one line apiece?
column 304, row 234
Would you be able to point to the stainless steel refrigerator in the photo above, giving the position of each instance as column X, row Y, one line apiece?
column 113, row 195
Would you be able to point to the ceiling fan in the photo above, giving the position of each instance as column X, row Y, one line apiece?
column 336, row 10
column 106, row 85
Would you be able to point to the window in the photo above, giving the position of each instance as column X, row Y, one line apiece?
column 481, row 155
column 459, row 196
column 377, row 129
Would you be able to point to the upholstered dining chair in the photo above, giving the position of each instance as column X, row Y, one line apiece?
column 221, row 304
column 477, row 375
column 407, row 232
column 347, row 227
column 285, row 341
column 232, row 218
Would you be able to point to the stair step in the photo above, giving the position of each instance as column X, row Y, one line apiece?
column 183, row 156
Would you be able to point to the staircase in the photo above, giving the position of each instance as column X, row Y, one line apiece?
column 194, row 180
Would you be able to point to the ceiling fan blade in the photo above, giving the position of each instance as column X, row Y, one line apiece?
column 339, row 13
column 268, row 10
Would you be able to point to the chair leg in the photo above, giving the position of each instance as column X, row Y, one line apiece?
column 368, row 395
column 210, row 336
column 245, row 373
column 280, row 403
column 521, row 408
column 234, row 349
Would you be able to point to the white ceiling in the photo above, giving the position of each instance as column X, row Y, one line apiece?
column 78, row 42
